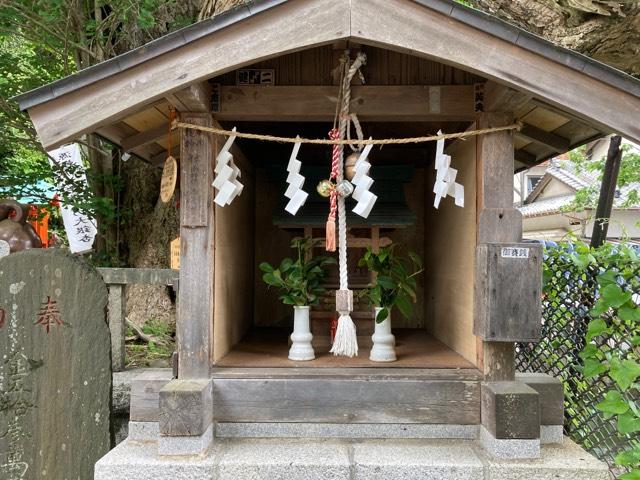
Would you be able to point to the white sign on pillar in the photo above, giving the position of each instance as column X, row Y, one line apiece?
column 81, row 229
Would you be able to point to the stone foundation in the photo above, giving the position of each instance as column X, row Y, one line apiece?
column 312, row 459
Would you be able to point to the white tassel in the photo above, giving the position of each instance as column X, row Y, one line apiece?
column 346, row 341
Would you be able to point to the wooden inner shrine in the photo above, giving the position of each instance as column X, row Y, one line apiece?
column 401, row 96
column 251, row 328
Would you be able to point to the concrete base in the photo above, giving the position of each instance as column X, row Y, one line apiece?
column 509, row 448
column 345, row 430
column 191, row 445
column 293, row 459
column 144, row 431
column 551, row 434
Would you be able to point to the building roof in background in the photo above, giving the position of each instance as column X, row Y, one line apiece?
column 546, row 206
column 564, row 171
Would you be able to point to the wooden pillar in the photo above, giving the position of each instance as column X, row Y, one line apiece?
column 498, row 222
column 194, row 327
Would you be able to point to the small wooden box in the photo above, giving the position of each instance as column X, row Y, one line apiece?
column 508, row 289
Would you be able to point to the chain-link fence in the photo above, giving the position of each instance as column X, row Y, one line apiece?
column 570, row 294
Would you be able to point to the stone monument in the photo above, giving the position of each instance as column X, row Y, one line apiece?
column 55, row 367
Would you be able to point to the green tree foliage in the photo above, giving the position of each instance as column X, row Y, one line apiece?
column 43, row 40
column 628, row 177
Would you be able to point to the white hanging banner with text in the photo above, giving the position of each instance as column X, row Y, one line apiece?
column 81, row 229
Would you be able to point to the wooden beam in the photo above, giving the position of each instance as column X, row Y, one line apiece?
column 194, row 326
column 496, row 155
column 144, row 138
column 535, row 134
column 370, row 103
column 194, row 98
column 525, row 157
column 499, row 98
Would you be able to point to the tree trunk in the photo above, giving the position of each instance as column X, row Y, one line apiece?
column 150, row 227
column 606, row 30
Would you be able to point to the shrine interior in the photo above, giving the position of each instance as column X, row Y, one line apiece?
column 253, row 332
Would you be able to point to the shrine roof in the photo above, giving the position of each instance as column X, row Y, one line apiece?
column 581, row 99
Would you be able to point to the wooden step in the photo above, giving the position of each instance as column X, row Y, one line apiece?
column 413, row 396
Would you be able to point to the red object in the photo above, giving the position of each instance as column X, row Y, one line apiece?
column 333, row 326
column 330, row 236
column 40, row 223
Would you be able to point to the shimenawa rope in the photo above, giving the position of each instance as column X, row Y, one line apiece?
column 344, row 141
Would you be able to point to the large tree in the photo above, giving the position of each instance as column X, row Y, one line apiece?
column 606, row 30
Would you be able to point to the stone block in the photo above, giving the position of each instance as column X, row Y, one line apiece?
column 143, row 431
column 192, row 445
column 140, row 461
column 550, row 393
column 186, row 407
column 344, row 430
column 510, row 410
column 293, row 459
column 556, row 462
column 550, row 434
column 509, row 449
column 145, row 394
column 408, row 460
column 251, row 459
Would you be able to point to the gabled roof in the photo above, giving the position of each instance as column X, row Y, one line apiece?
column 564, row 172
column 451, row 8
column 588, row 93
column 564, row 175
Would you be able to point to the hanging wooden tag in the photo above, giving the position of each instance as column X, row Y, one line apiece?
column 169, row 177
column 175, row 253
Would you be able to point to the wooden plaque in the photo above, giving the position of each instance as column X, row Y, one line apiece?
column 508, row 292
column 175, row 254
column 169, row 177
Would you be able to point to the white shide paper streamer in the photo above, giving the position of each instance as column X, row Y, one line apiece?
column 446, row 178
column 227, row 174
column 366, row 200
column 297, row 197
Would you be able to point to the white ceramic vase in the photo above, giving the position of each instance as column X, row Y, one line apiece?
column 301, row 349
column 384, row 342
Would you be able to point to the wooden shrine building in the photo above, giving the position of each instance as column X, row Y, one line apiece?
column 270, row 68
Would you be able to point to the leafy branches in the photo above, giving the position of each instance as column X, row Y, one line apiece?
column 300, row 280
column 612, row 350
column 628, row 178
column 394, row 285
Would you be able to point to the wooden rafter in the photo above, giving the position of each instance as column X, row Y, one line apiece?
column 144, row 138
column 525, row 157
column 535, row 134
